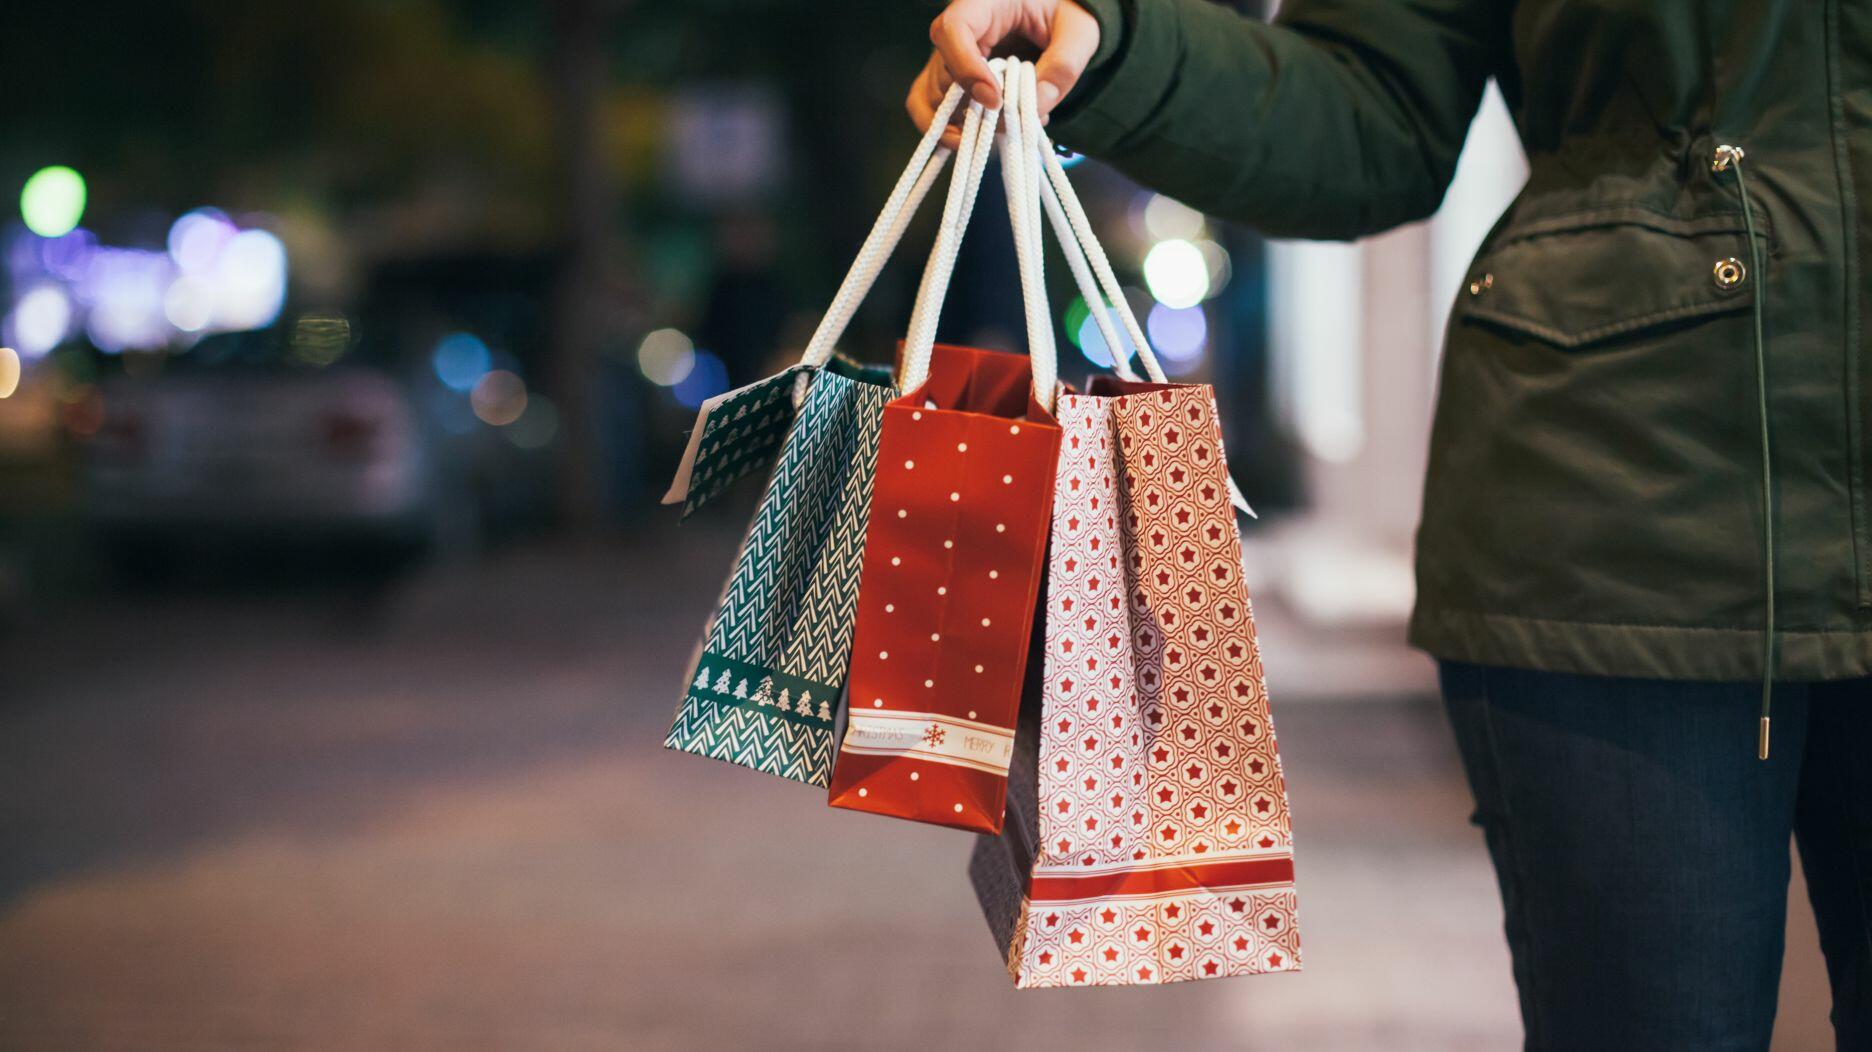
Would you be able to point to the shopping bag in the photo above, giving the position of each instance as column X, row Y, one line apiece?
column 1155, row 845
column 761, row 692
column 741, row 432
column 1147, row 838
column 952, row 566
column 953, row 554
column 762, row 689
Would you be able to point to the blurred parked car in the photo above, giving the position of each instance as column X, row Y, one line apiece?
column 239, row 435
column 37, row 493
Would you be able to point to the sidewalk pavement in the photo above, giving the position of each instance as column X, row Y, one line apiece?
column 440, row 817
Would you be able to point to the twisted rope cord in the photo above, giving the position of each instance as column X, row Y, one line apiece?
column 978, row 127
column 908, row 193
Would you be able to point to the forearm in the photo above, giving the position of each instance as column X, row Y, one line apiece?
column 1343, row 118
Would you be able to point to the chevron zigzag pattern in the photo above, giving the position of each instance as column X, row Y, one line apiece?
column 790, row 604
column 792, row 599
column 753, row 738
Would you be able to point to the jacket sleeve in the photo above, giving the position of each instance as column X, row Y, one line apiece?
column 1339, row 119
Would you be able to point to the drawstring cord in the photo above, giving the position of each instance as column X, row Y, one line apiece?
column 1728, row 157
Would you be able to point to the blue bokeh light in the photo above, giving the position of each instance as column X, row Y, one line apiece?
column 461, row 360
column 1092, row 343
column 707, row 379
column 1067, row 158
column 1177, row 334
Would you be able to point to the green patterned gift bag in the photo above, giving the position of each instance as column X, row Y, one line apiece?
column 742, row 431
column 736, row 433
column 763, row 689
column 765, row 685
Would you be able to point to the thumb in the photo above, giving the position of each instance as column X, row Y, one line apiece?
column 1074, row 38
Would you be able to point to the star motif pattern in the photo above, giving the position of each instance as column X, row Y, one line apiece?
column 1156, row 721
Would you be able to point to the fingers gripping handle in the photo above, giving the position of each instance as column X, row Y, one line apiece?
column 1021, row 176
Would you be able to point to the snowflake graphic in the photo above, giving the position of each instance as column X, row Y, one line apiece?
column 934, row 735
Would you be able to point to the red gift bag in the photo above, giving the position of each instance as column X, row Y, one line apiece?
column 953, row 557
column 953, row 553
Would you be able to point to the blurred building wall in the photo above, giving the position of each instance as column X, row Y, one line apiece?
column 1356, row 331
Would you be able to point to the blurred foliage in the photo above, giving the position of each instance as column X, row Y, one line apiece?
column 340, row 100
column 343, row 104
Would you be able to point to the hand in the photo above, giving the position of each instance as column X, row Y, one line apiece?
column 969, row 31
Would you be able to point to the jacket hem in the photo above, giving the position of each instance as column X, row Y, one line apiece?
column 1681, row 652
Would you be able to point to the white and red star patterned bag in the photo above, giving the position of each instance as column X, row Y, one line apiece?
column 1147, row 836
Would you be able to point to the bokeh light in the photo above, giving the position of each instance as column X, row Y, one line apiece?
column 66, row 257
column 189, row 303
column 41, row 319
column 1176, row 273
column 124, row 289
column 499, row 398
column 250, row 281
column 321, row 338
column 1073, row 318
column 460, row 360
column 666, row 357
column 1178, row 335
column 1216, row 258
column 211, row 276
column 53, row 201
column 9, row 371
column 1169, row 218
column 1092, row 343
column 538, row 424
column 707, row 378
column 197, row 238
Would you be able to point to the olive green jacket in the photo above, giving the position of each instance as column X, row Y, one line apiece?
column 1595, row 494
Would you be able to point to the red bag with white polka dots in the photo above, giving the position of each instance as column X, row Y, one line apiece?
column 953, row 558
column 1147, row 837
column 956, row 543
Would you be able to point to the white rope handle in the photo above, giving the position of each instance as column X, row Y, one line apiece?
column 978, row 126
column 1021, row 175
column 1085, row 240
column 976, row 147
column 1076, row 238
column 1082, row 277
column 917, row 178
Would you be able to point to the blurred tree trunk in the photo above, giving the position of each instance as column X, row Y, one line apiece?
column 578, row 72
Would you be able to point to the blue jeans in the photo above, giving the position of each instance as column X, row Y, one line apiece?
column 1642, row 850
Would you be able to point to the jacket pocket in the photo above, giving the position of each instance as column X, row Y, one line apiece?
column 1581, row 278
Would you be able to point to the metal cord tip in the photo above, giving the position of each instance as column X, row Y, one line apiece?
column 1762, row 742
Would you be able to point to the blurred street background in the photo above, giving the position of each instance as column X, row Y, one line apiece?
column 345, row 351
